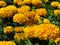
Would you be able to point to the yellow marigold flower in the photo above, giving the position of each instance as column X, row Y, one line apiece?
column 8, row 29
column 7, row 43
column 31, row 16
column 38, row 2
column 36, row 18
column 27, row 1
column 8, row 11
column 41, row 12
column 20, row 36
column 56, row 12
column 58, row 6
column 47, row 31
column 31, row 31
column 19, row 18
column 2, row 4
column 5, row 13
column 46, row 21
column 21, row 3
column 19, row 29
column 12, row 8
column 54, row 4
column 23, row 9
column 57, row 40
column 16, row 1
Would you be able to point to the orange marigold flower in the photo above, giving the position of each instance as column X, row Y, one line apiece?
column 41, row 12
column 19, row 29
column 23, row 9
column 12, row 8
column 20, row 36
column 32, row 17
column 31, row 31
column 19, row 18
column 57, row 40
column 19, row 2
column 47, row 31
column 36, row 18
column 38, row 2
column 8, row 11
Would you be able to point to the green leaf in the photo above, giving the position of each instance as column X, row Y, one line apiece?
column 40, row 22
column 36, row 44
column 9, row 1
column 28, row 42
column 33, row 8
column 51, row 42
column 58, row 43
column 18, row 42
column 1, row 21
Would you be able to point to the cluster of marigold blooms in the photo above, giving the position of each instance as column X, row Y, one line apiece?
column 7, row 43
column 33, row 2
column 24, row 14
column 56, row 5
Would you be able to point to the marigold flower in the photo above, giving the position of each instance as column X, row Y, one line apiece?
column 16, row 1
column 36, row 18
column 19, row 18
column 32, row 17
column 56, row 12
column 46, row 21
column 28, row 1
column 23, row 9
column 12, row 8
column 57, row 40
column 2, row 4
column 47, row 31
column 3, row 12
column 8, row 11
column 41, row 12
column 31, row 31
column 19, row 29
column 19, row 2
column 38, row 2
column 7, row 43
column 8, row 29
column 54, row 4
column 58, row 6
column 20, row 36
